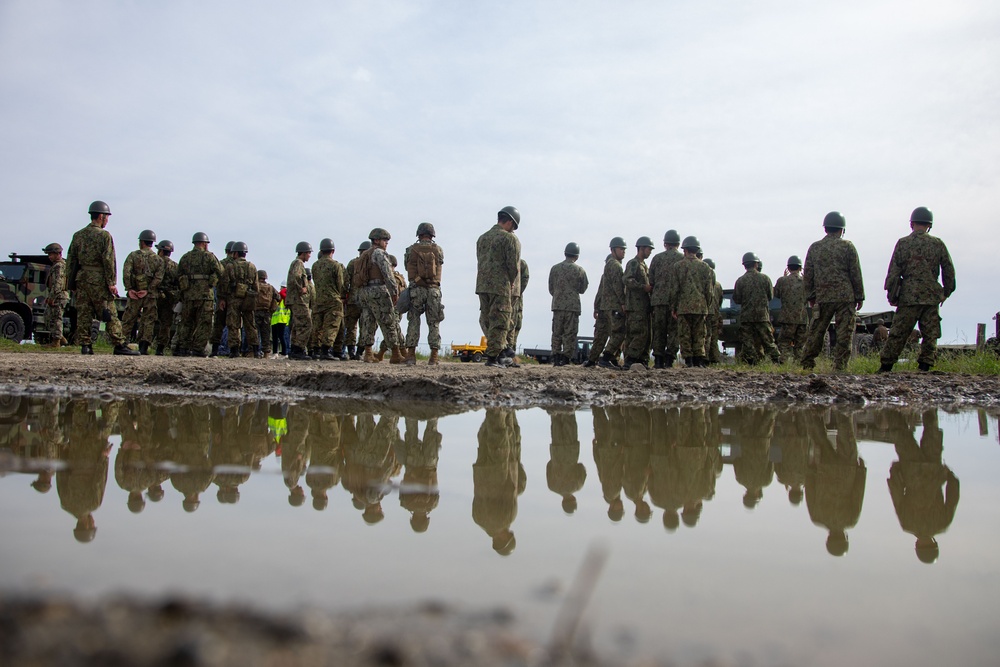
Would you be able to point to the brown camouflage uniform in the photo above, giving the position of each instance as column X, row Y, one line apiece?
column 690, row 294
column 238, row 288
column 328, row 311
column 638, row 311
column 297, row 300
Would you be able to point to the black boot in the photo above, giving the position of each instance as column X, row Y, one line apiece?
column 922, row 367
column 234, row 353
column 159, row 350
column 352, row 353
column 86, row 349
column 124, row 350
column 215, row 350
column 658, row 362
column 143, row 347
column 885, row 368
column 689, row 362
column 258, row 352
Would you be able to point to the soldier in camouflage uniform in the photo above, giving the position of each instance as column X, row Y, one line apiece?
column 912, row 286
column 418, row 492
column 328, row 311
column 609, row 330
column 601, row 330
column 347, row 338
column 238, row 299
column 664, row 325
column 753, row 293
column 56, row 295
column 713, row 323
column 509, row 355
column 219, row 323
column 638, row 310
column 267, row 302
column 690, row 294
column 297, row 300
column 832, row 276
column 424, row 261
column 142, row 274
column 396, row 315
column 167, row 297
column 567, row 281
column 92, row 274
column 378, row 289
column 498, row 478
column 792, row 318
column 198, row 273
column 498, row 257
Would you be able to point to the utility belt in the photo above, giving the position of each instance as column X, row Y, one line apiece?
column 372, row 283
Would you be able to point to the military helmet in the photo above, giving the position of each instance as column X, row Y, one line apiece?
column 326, row 244
column 379, row 234
column 922, row 215
column 365, row 245
column 261, row 274
column 794, row 261
column 834, row 220
column 572, row 250
column 644, row 242
column 618, row 242
column 309, row 273
column 426, row 229
column 200, row 237
column 165, row 245
column 511, row 213
column 672, row 237
column 52, row 247
column 303, row 246
column 750, row 258
column 691, row 243
column 147, row 235
column 710, row 262
column 393, row 261
column 99, row 207
column 229, row 246
column 240, row 246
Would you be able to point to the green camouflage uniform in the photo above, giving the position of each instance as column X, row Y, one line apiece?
column 690, row 292
column 517, row 306
column 917, row 261
column 267, row 302
column 832, row 276
column 238, row 287
column 92, row 269
column 297, row 300
column 498, row 258
column 835, row 479
column 143, row 270
column 567, row 281
column 753, row 293
column 328, row 311
column 377, row 299
column 425, row 294
column 198, row 273
column 792, row 318
column 564, row 472
column 498, row 477
column 637, row 314
column 56, row 298
column 352, row 308
column 609, row 330
column 167, row 297
column 713, row 323
column 664, row 326
column 219, row 323
column 418, row 492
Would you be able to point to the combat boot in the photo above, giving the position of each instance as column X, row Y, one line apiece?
column 143, row 347
column 397, row 356
column 299, row 354
column 124, row 350
column 492, row 362
column 258, row 353
column 433, row 361
column 352, row 353
column 411, row 356
column 368, row 357
column 159, row 350
column 86, row 349
column 689, row 362
column 234, row 353
column 658, row 362
column 922, row 367
column 382, row 349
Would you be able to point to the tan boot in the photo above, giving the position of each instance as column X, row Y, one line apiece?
column 397, row 356
column 368, row 357
column 411, row 356
column 433, row 361
column 380, row 355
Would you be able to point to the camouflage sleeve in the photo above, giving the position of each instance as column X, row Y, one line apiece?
column 524, row 272
column 584, row 282
column 440, row 252
column 808, row 277
column 110, row 263
column 215, row 269
column 856, row 281
column 159, row 265
column 127, row 272
column 768, row 289
column 738, row 291
column 552, row 280
column 225, row 281
column 338, row 277
column 947, row 271
column 892, row 276
column 381, row 260
column 72, row 263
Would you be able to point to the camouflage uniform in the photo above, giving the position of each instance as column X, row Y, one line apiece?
column 167, row 297
column 377, row 299
column 219, row 323
column 753, row 293
column 713, row 323
column 567, row 281
column 664, row 326
column 517, row 306
column 198, row 273
column 498, row 255
column 267, row 302
column 637, row 314
column 564, row 472
column 832, row 276
column 238, row 287
column 425, row 293
column 690, row 294
column 418, row 493
column 352, row 309
column 835, row 481
column 56, row 298
column 143, row 270
column 498, row 477
column 297, row 300
column 328, row 310
column 792, row 318
column 609, row 331
column 917, row 261
column 92, row 270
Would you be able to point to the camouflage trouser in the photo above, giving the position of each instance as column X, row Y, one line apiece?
column 377, row 309
column 712, row 338
column 54, row 319
column 218, row 325
column 516, row 319
column 352, row 315
column 609, row 334
column 239, row 318
column 143, row 310
column 93, row 300
column 301, row 325
column 928, row 318
column 326, row 322
column 262, row 322
column 494, row 320
column 196, row 324
column 565, row 328
column 664, row 332
column 424, row 301
column 637, row 335
column 691, row 335
column 844, row 315
column 757, row 337
column 165, row 319
column 791, row 340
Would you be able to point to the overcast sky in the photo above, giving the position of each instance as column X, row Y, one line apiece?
column 741, row 123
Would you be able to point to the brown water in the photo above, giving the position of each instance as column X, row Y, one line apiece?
column 755, row 535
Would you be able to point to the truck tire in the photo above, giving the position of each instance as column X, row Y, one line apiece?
column 11, row 326
column 465, row 358
column 477, row 357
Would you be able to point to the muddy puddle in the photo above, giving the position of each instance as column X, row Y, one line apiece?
column 742, row 534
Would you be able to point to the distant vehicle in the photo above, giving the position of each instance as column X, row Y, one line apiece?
column 470, row 352
column 583, row 345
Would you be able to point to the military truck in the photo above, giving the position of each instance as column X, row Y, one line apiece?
column 544, row 356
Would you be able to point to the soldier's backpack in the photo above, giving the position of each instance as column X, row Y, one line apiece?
column 362, row 269
column 424, row 263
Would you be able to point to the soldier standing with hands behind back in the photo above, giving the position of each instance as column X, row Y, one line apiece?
column 56, row 296
column 297, row 300
column 498, row 258
column 567, row 281
column 424, row 261
column 142, row 274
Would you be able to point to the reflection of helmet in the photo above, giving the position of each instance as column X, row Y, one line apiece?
column 426, row 229
column 379, row 234
column 922, row 215
column 691, row 243
column 794, row 261
column 836, row 543
column 136, row 503
column 710, row 262
column 671, row 521
column 690, row 514
column 420, row 521
column 52, row 247
column 672, row 237
column 644, row 242
column 155, row 493
column 795, row 495
column 752, row 497
column 572, row 249
column 240, row 246
column 326, row 244
column 200, row 237
column 569, row 504
column 320, row 502
column 261, row 274
column 296, row 496
column 190, row 504
column 99, row 207
column 166, row 246
column 83, row 534
column 373, row 514
column 834, row 220
column 750, row 258
column 511, row 213
column 616, row 510
column 618, row 242
column 228, row 495
column 643, row 512
column 147, row 235
column 303, row 246
column 504, row 542
column 229, row 246
column 364, row 246
column 927, row 550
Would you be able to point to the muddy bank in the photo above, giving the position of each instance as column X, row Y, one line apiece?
column 455, row 387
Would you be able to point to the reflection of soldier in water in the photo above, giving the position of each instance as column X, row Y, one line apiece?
column 81, row 484
column 609, row 457
column 638, row 440
column 135, row 462
column 835, row 479
column 564, row 473
column 325, row 458
column 498, row 478
column 792, row 443
column 419, row 492
column 295, row 454
column 683, row 468
column 51, row 440
column 232, row 453
column 753, row 467
column 191, row 453
column 369, row 463
column 916, row 481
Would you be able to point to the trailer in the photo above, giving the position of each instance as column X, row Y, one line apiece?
column 470, row 351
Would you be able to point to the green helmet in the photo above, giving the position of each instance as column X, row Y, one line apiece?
column 922, row 215
column 426, row 229
column 52, row 247
column 644, row 242
column 200, row 237
column 393, row 261
column 379, row 234
column 229, row 246
column 691, row 243
column 364, row 246
column 511, row 213
column 794, row 261
column 303, row 246
column 750, row 258
column 326, row 244
column 165, row 246
column 240, row 246
column 147, row 235
column 572, row 250
column 261, row 274
column 618, row 242
column 710, row 262
column 99, row 207
column 672, row 237
column 834, row 220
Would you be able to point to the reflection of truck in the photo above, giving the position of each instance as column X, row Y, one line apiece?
column 583, row 345
column 470, row 352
